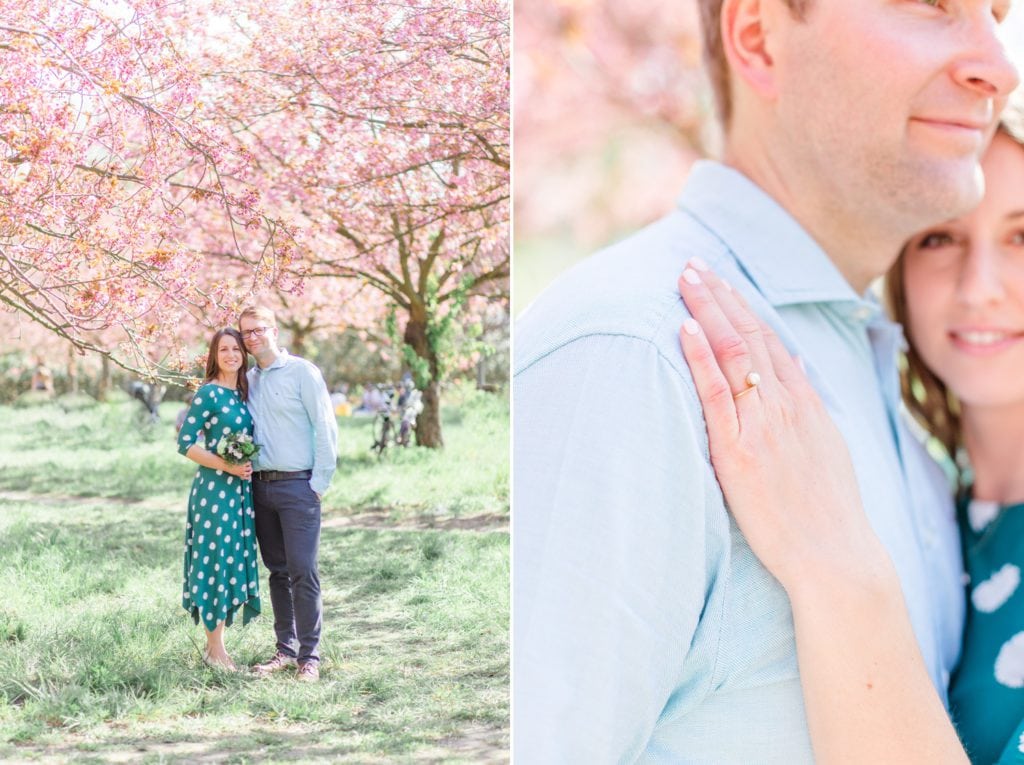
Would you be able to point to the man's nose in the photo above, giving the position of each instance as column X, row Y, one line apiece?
column 983, row 64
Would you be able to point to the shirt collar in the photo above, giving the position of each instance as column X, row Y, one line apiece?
column 779, row 257
column 280, row 361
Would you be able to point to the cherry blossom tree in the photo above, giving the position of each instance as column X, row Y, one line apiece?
column 164, row 162
column 611, row 109
column 384, row 129
column 103, row 163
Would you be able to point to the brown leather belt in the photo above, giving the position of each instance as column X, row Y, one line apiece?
column 281, row 475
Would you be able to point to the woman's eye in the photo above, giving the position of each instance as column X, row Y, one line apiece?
column 936, row 240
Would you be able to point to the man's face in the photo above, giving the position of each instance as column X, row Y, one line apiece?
column 258, row 334
column 891, row 100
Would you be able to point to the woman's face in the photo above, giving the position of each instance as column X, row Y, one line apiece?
column 229, row 355
column 965, row 288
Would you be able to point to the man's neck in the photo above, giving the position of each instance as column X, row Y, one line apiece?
column 992, row 438
column 268, row 357
column 860, row 249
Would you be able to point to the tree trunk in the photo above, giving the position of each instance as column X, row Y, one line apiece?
column 298, row 344
column 72, row 370
column 428, row 425
column 103, row 387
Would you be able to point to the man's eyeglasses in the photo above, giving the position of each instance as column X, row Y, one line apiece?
column 254, row 332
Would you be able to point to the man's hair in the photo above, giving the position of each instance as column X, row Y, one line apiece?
column 258, row 312
column 926, row 396
column 714, row 50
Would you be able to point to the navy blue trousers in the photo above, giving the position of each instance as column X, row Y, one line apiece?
column 288, row 530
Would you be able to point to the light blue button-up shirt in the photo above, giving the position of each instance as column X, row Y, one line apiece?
column 295, row 424
column 644, row 628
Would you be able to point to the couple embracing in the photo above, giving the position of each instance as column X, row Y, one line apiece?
column 758, row 561
column 283, row 404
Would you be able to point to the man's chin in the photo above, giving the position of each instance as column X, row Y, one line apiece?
column 946, row 192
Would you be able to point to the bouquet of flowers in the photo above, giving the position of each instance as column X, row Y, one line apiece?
column 236, row 448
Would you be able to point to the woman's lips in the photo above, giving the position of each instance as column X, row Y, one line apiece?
column 984, row 342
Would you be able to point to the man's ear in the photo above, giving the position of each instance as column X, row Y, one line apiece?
column 746, row 25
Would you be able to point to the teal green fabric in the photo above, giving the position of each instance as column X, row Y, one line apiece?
column 986, row 694
column 1013, row 754
column 220, row 573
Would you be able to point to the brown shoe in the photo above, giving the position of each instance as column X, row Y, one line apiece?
column 309, row 672
column 276, row 664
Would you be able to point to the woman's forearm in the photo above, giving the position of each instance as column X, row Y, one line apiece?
column 207, row 458
column 867, row 693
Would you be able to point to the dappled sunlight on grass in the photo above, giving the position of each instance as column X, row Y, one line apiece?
column 98, row 660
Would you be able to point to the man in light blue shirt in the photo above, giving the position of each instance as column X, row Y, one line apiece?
column 644, row 629
column 297, row 433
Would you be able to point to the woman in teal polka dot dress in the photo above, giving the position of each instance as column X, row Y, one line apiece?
column 220, row 573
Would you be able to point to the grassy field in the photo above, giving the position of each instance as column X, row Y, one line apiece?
column 98, row 663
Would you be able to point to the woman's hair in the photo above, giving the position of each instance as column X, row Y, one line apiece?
column 926, row 396
column 213, row 370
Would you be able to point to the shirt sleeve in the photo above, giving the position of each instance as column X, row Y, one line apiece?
column 192, row 427
column 317, row 402
column 609, row 553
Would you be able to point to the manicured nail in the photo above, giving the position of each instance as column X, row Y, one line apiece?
column 690, row 326
column 698, row 263
column 691, row 276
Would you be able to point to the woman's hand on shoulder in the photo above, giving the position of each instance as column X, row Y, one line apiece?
column 781, row 461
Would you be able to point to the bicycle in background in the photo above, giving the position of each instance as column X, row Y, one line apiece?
column 395, row 420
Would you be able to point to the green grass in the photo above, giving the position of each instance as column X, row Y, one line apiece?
column 99, row 663
column 104, row 451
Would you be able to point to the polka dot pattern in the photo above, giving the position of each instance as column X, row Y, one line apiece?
column 214, row 593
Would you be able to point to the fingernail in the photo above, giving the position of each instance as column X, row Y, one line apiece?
column 727, row 286
column 690, row 326
column 800, row 363
column 691, row 276
column 698, row 263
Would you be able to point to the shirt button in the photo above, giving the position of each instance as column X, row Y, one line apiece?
column 863, row 313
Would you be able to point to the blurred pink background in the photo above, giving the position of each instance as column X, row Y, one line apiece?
column 610, row 108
